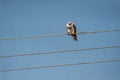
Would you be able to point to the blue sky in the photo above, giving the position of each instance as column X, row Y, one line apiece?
column 39, row 17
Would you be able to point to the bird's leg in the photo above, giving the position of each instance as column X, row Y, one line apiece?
column 68, row 33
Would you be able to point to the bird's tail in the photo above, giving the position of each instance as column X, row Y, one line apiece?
column 75, row 37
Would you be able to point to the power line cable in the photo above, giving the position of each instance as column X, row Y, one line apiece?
column 53, row 35
column 61, row 51
column 59, row 65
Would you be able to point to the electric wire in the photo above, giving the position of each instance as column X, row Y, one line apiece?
column 61, row 51
column 59, row 65
column 53, row 35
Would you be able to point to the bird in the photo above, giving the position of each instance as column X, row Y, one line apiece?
column 71, row 30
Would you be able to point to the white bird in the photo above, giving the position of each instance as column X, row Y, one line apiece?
column 71, row 30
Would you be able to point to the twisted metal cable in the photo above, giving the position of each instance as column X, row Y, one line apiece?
column 53, row 35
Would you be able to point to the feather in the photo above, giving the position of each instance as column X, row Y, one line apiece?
column 71, row 30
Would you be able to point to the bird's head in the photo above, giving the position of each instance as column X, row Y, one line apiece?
column 69, row 23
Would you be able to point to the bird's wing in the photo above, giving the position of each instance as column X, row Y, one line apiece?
column 74, row 28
